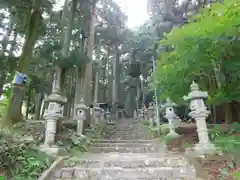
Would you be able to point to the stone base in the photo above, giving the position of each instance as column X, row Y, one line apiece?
column 202, row 149
column 50, row 150
column 82, row 136
column 172, row 134
column 205, row 148
column 111, row 122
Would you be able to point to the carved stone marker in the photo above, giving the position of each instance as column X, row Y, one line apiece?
column 81, row 115
column 52, row 115
column 97, row 114
column 151, row 114
column 172, row 118
column 199, row 112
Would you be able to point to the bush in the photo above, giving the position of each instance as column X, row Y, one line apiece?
column 226, row 137
column 3, row 105
column 20, row 159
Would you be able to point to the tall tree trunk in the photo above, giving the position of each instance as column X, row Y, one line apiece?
column 2, row 82
column 78, row 90
column 116, row 78
column 13, row 112
column 110, row 81
column 28, row 104
column 228, row 113
column 96, row 84
column 67, row 34
column 38, row 104
column 88, row 71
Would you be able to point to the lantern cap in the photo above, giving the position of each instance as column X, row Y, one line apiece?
column 57, row 98
column 169, row 103
column 81, row 105
column 195, row 93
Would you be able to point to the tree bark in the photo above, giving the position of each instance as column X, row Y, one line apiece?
column 228, row 113
column 38, row 104
column 13, row 112
column 88, row 71
column 116, row 78
column 2, row 82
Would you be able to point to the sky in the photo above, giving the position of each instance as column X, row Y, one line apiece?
column 136, row 11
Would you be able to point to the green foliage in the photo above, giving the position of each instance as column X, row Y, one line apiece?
column 226, row 137
column 236, row 174
column 75, row 144
column 3, row 105
column 20, row 158
column 205, row 50
column 75, row 58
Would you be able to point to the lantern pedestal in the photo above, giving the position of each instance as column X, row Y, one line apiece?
column 50, row 150
column 200, row 113
column 53, row 114
column 204, row 146
column 80, row 116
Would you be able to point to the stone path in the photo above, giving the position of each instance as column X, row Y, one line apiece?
column 127, row 152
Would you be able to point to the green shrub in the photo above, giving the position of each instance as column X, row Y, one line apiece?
column 226, row 137
column 20, row 159
column 3, row 105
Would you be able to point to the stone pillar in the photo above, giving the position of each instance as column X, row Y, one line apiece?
column 145, row 115
column 81, row 116
column 108, row 117
column 141, row 114
column 151, row 114
column 52, row 115
column 135, row 114
column 171, row 117
column 103, row 120
column 199, row 112
column 97, row 114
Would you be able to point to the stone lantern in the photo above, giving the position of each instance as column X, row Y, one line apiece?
column 199, row 112
column 103, row 115
column 135, row 115
column 151, row 114
column 97, row 114
column 171, row 116
column 108, row 117
column 145, row 114
column 81, row 115
column 52, row 115
column 141, row 114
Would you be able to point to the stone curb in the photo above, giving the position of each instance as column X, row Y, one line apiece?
column 45, row 175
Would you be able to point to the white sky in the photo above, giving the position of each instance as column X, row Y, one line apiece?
column 136, row 11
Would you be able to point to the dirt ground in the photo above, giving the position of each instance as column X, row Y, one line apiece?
column 210, row 167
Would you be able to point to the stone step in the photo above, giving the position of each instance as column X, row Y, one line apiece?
column 122, row 145
column 168, row 173
column 127, row 137
column 124, row 141
column 124, row 130
column 134, row 163
column 126, row 149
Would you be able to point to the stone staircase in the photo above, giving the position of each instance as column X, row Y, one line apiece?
column 127, row 152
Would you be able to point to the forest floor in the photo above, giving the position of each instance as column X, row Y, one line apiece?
column 19, row 149
column 214, row 167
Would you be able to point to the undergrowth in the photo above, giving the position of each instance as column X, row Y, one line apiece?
column 20, row 159
column 227, row 138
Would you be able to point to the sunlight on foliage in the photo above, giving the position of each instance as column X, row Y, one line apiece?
column 205, row 50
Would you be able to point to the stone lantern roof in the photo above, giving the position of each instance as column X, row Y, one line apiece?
column 169, row 103
column 195, row 93
column 81, row 105
column 57, row 98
